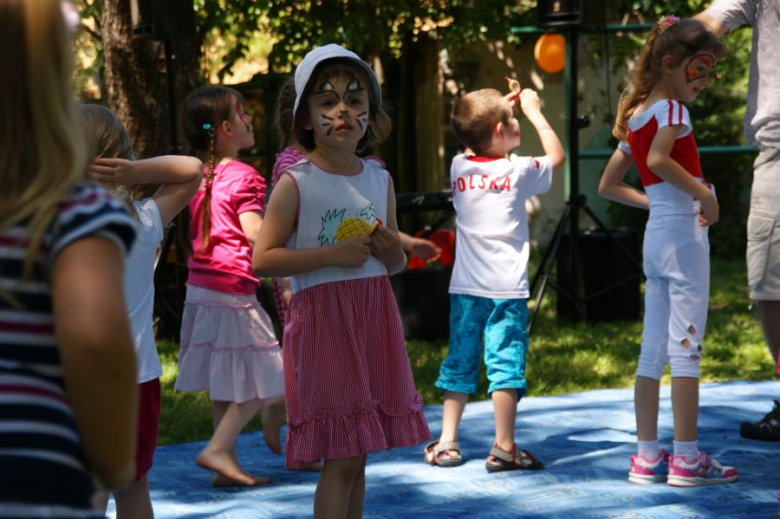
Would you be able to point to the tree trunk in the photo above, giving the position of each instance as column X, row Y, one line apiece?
column 136, row 81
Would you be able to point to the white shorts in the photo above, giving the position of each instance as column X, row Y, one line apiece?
column 677, row 265
column 763, row 228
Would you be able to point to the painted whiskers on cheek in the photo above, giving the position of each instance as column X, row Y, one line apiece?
column 362, row 120
column 326, row 123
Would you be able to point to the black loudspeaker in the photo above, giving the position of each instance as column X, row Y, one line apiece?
column 424, row 302
column 570, row 13
column 163, row 19
column 609, row 276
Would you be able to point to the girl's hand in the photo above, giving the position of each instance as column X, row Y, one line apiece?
column 385, row 244
column 710, row 211
column 113, row 171
column 352, row 253
column 426, row 250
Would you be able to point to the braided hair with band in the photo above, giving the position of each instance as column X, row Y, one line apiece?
column 204, row 111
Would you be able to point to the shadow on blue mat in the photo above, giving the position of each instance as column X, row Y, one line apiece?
column 585, row 439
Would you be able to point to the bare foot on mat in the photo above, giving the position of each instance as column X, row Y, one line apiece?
column 221, row 481
column 226, row 467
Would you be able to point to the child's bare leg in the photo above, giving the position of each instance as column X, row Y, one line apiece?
column 358, row 494
column 133, row 501
column 218, row 409
column 646, row 396
column 685, row 404
column 273, row 419
column 505, row 409
column 454, row 404
column 219, row 453
column 332, row 498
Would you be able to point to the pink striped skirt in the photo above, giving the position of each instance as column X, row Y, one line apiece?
column 348, row 383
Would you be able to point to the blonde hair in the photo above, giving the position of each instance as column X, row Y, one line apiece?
column 107, row 137
column 43, row 153
column 680, row 39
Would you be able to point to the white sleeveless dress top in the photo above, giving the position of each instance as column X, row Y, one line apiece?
column 329, row 204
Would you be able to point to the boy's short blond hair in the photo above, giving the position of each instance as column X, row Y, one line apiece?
column 475, row 116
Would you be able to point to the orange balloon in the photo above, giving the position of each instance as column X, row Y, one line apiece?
column 550, row 53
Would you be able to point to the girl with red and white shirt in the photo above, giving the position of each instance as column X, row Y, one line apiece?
column 656, row 134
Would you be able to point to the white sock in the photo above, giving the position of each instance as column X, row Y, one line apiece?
column 689, row 451
column 649, row 450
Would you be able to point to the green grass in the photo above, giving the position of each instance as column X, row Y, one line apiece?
column 564, row 357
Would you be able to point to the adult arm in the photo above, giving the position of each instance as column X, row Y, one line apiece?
column 712, row 24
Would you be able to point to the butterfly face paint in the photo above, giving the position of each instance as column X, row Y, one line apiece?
column 699, row 67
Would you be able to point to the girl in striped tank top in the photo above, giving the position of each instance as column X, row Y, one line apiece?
column 67, row 364
column 331, row 226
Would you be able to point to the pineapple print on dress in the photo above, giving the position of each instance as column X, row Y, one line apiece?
column 336, row 228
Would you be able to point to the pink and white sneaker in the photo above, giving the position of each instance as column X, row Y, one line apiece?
column 647, row 472
column 701, row 471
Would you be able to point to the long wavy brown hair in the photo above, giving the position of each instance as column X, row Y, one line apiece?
column 42, row 151
column 684, row 39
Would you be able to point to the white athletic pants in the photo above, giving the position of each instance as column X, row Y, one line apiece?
column 677, row 265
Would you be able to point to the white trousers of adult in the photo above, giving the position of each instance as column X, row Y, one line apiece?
column 677, row 265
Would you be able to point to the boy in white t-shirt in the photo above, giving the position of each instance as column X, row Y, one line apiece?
column 489, row 285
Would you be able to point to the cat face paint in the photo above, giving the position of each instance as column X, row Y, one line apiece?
column 699, row 67
column 326, row 123
column 339, row 111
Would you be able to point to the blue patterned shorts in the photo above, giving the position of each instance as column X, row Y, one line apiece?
column 500, row 324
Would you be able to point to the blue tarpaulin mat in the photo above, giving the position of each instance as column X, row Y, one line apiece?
column 585, row 439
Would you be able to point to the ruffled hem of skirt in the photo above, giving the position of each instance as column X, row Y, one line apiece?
column 231, row 374
column 351, row 432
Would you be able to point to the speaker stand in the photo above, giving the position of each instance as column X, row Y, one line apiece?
column 571, row 212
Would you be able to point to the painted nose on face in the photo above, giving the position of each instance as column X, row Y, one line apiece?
column 343, row 114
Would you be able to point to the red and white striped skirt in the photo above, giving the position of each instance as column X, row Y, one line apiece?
column 348, row 383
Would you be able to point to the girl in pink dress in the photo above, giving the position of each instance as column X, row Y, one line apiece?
column 331, row 226
column 227, row 340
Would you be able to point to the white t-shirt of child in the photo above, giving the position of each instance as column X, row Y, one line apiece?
column 139, row 288
column 492, row 249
